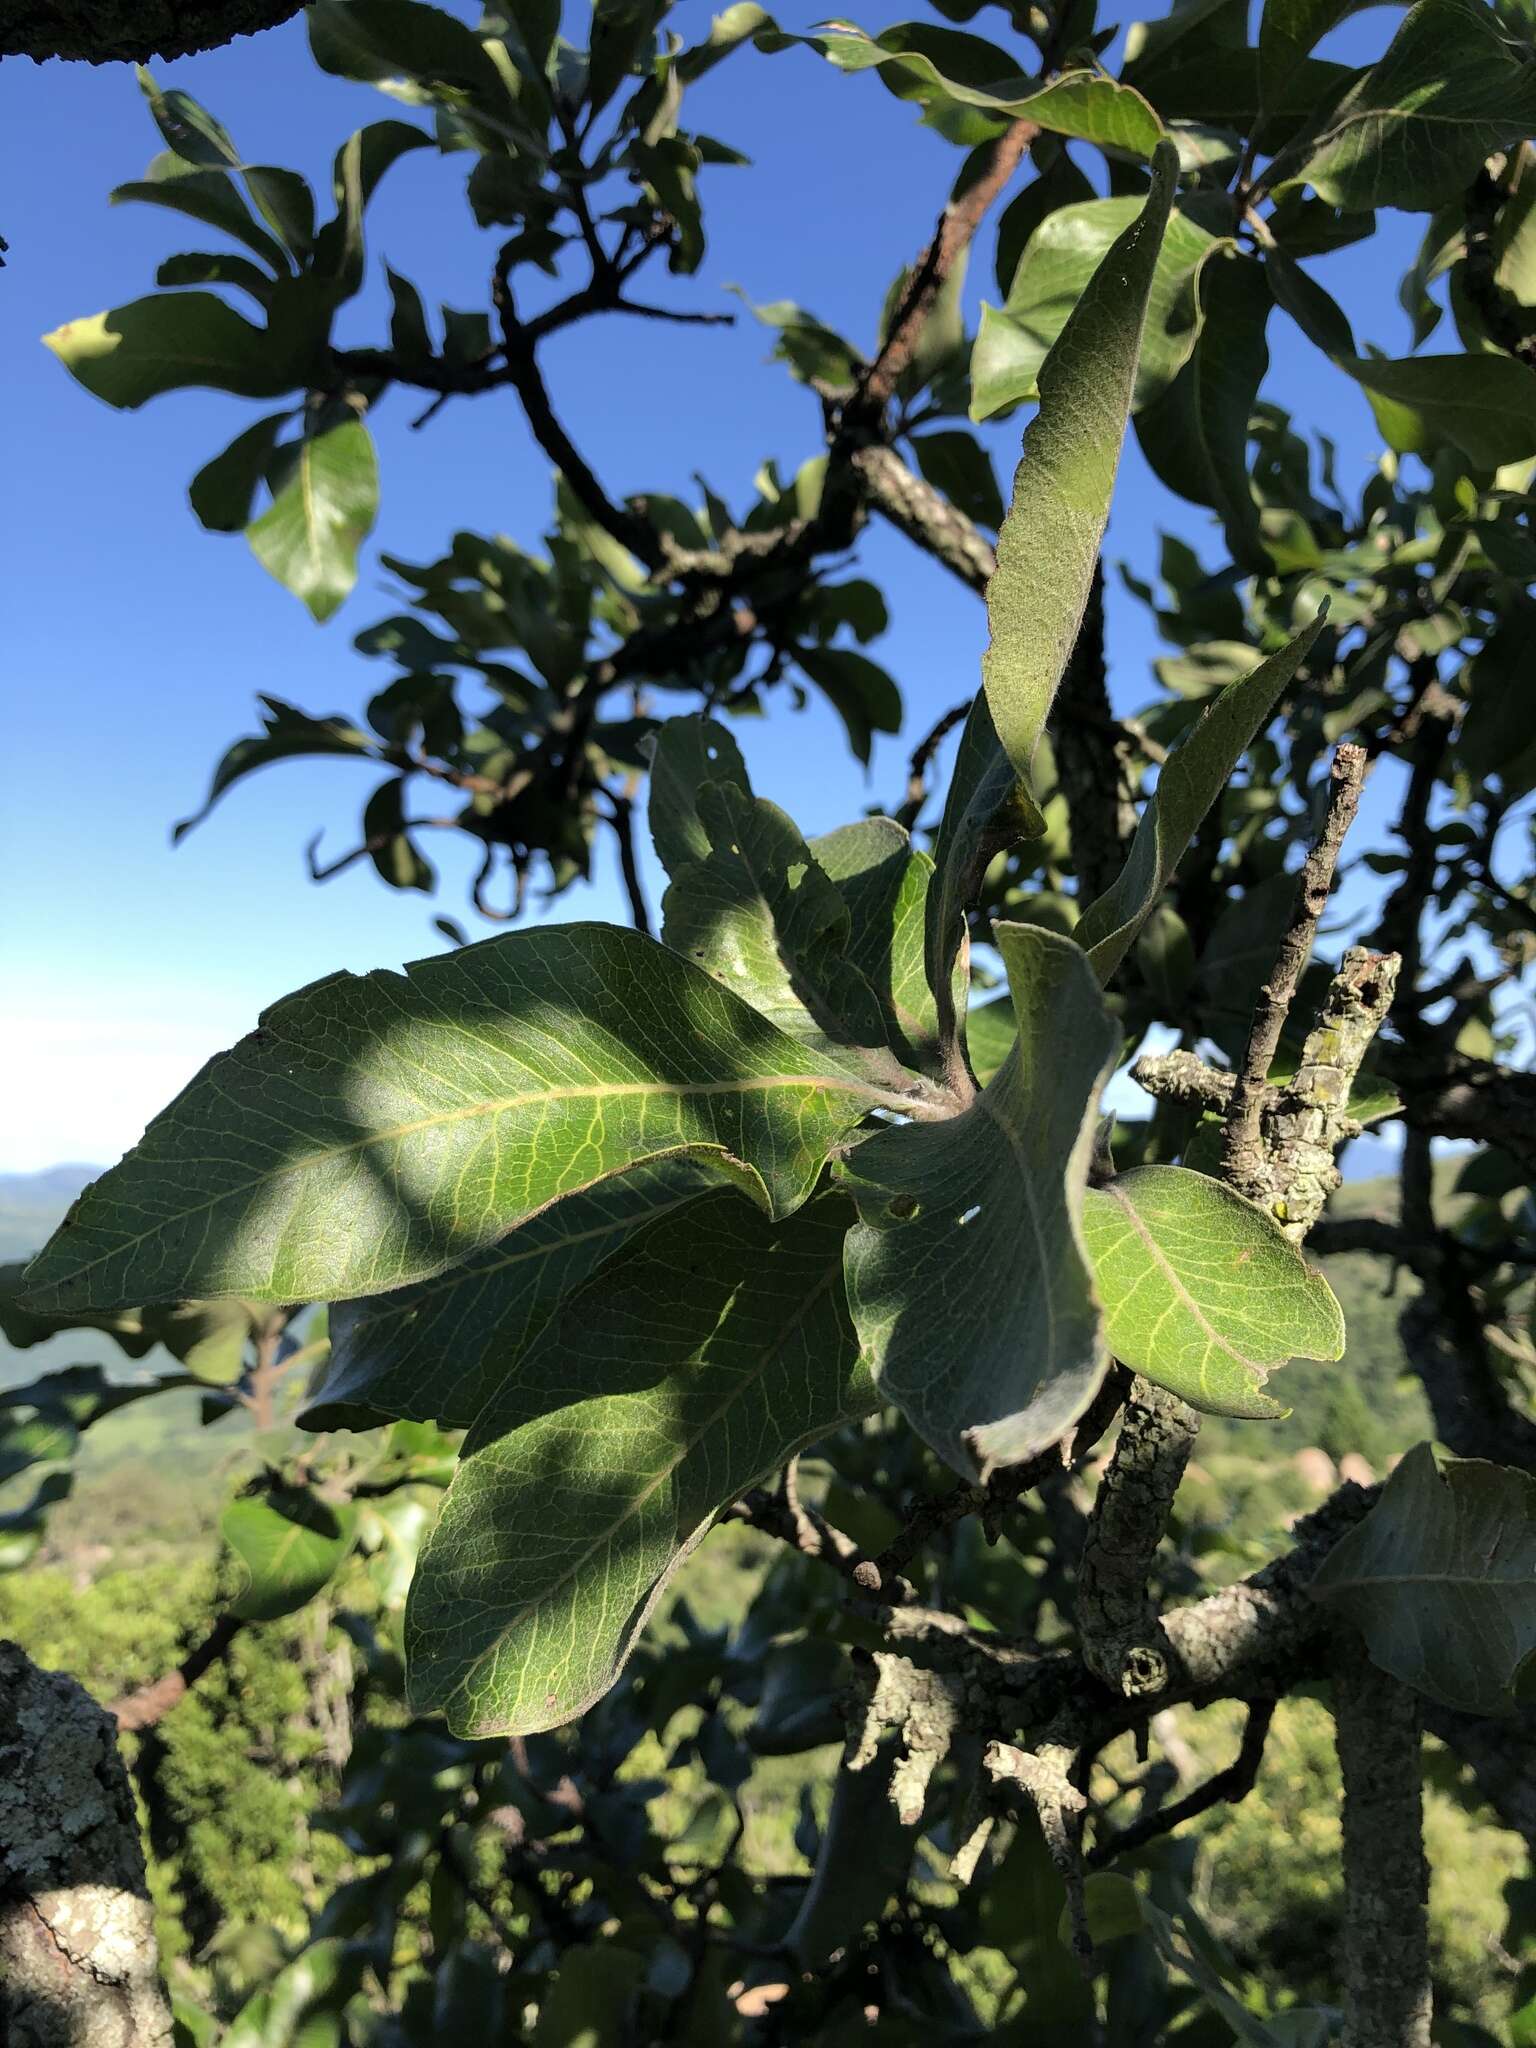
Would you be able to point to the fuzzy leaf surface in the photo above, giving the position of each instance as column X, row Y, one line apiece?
column 1061, row 490
column 967, row 1273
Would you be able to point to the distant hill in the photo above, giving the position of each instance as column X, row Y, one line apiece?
column 32, row 1204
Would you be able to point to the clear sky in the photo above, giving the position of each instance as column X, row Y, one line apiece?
column 132, row 644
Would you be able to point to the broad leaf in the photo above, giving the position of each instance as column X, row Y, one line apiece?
column 967, row 1273
column 1202, row 1291
column 211, row 197
column 762, row 916
column 1413, row 130
column 884, row 881
column 1058, row 260
column 1440, row 1579
column 986, row 808
column 714, row 1347
column 223, row 492
column 138, row 351
column 1196, row 436
column 1485, row 405
column 288, row 733
column 1189, row 782
column 435, row 1352
column 1061, row 491
column 955, row 463
column 685, row 754
column 859, row 691
column 1086, row 104
column 291, row 1540
column 374, row 1130
column 1289, row 31
column 310, row 534
column 42, row 1438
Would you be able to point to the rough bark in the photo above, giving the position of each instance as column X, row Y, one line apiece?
column 1124, row 1642
column 79, row 1966
column 1378, row 1725
column 131, row 31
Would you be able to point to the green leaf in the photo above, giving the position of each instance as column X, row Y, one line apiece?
column 685, row 754
column 1316, row 312
column 189, row 129
column 1202, row 1291
column 381, row 41
column 291, row 2011
column 967, row 1274
column 1413, row 130
column 309, row 535
column 1440, row 1579
column 435, row 1352
column 714, row 1347
column 590, row 1999
column 859, row 691
column 955, row 463
column 1087, row 104
column 287, row 734
column 1058, row 183
column 986, row 808
column 1196, row 436
column 223, row 493
column 211, row 197
column 172, row 343
column 208, row 1336
column 286, row 204
column 390, row 847
column 221, row 267
column 1485, row 405
column 1190, row 781
column 291, row 1542
column 1061, row 491
column 760, row 915
column 1059, row 259
column 1289, row 31
column 884, row 881
column 376, row 1129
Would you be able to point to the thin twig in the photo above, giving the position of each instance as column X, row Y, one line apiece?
column 1224, row 1788
column 147, row 1704
column 622, row 819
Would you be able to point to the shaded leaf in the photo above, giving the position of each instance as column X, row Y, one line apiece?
column 1202, row 1291
column 1190, row 781
column 1053, row 272
column 1087, row 104
column 955, row 463
column 375, row 1129
column 138, row 351
column 291, row 1541
column 1196, row 436
column 1440, row 1579
column 223, row 492
column 761, row 915
column 1412, row 131
column 309, row 535
column 1485, row 405
column 286, row 734
column 859, row 691
column 211, row 197
column 1061, row 491
column 884, row 881
column 436, row 1351
column 967, row 1275
column 714, row 1347
column 685, row 754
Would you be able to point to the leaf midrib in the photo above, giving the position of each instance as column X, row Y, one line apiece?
column 586, row 1091
column 1166, row 1266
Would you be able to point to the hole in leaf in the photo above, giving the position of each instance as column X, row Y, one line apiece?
column 903, row 1207
column 968, row 1215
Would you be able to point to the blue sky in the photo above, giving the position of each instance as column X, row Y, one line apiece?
column 134, row 643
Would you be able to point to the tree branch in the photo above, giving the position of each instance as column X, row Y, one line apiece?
column 78, row 1959
column 1224, row 1788
column 1243, row 1161
column 1386, row 1879
column 150, row 1703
